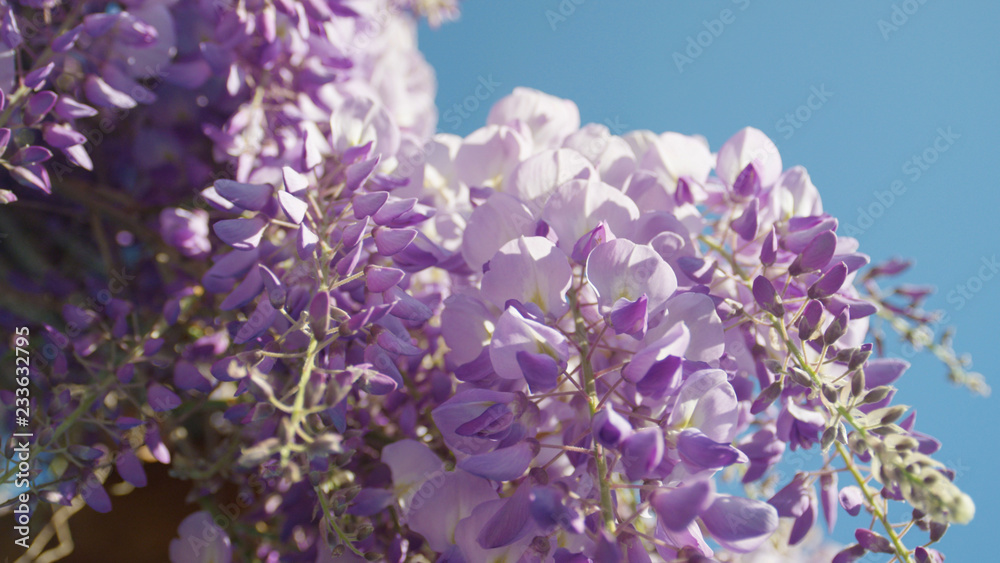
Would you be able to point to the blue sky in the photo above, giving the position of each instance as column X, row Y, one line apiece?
column 867, row 96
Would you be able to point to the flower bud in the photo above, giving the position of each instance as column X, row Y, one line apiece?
column 816, row 254
column 769, row 249
column 588, row 241
column 810, row 319
column 319, row 315
column 857, row 383
column 859, row 357
column 837, row 328
column 829, row 283
column 829, row 436
column 683, row 194
column 927, row 555
column 872, row 541
column 937, row 530
column 830, row 394
column 766, row 297
column 849, row 554
column 766, row 397
column 364, row 531
column 888, row 415
column 843, row 355
column 857, row 444
column 876, row 395
column 961, row 510
column 800, row 377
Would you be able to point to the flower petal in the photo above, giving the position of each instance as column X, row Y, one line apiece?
column 95, row 496
column 249, row 197
column 701, row 452
column 504, row 464
column 500, row 219
column 677, row 507
column 620, row 268
column 642, row 452
column 529, row 270
column 130, row 468
column 241, row 234
column 368, row 204
column 740, row 524
column 381, row 278
column 101, row 94
column 392, row 241
column 630, row 317
column 609, row 427
column 162, row 399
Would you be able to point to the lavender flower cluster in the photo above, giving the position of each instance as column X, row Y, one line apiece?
column 538, row 343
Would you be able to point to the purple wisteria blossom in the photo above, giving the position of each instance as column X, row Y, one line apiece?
column 630, row 317
column 358, row 340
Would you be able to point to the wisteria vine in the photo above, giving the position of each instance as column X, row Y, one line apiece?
column 542, row 342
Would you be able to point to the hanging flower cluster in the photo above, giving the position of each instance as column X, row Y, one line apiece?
column 635, row 316
column 541, row 342
column 243, row 334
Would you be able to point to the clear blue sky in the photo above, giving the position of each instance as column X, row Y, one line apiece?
column 888, row 89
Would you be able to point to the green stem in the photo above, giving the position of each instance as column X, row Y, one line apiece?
column 779, row 325
column 590, row 387
column 333, row 523
column 722, row 251
column 901, row 550
column 300, row 399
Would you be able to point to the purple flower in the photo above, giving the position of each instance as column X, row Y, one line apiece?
column 796, row 500
column 468, row 419
column 740, row 524
column 610, row 428
column 434, row 501
column 766, row 297
column 799, row 426
column 504, row 464
column 706, row 401
column 642, row 451
column 749, row 146
column 200, row 541
column 130, row 468
column 529, row 270
column 500, row 219
column 186, row 230
column 549, row 119
column 851, row 498
column 622, row 269
column 524, row 348
column 549, row 510
column 579, row 206
column 701, row 452
column 555, row 311
column 677, row 507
